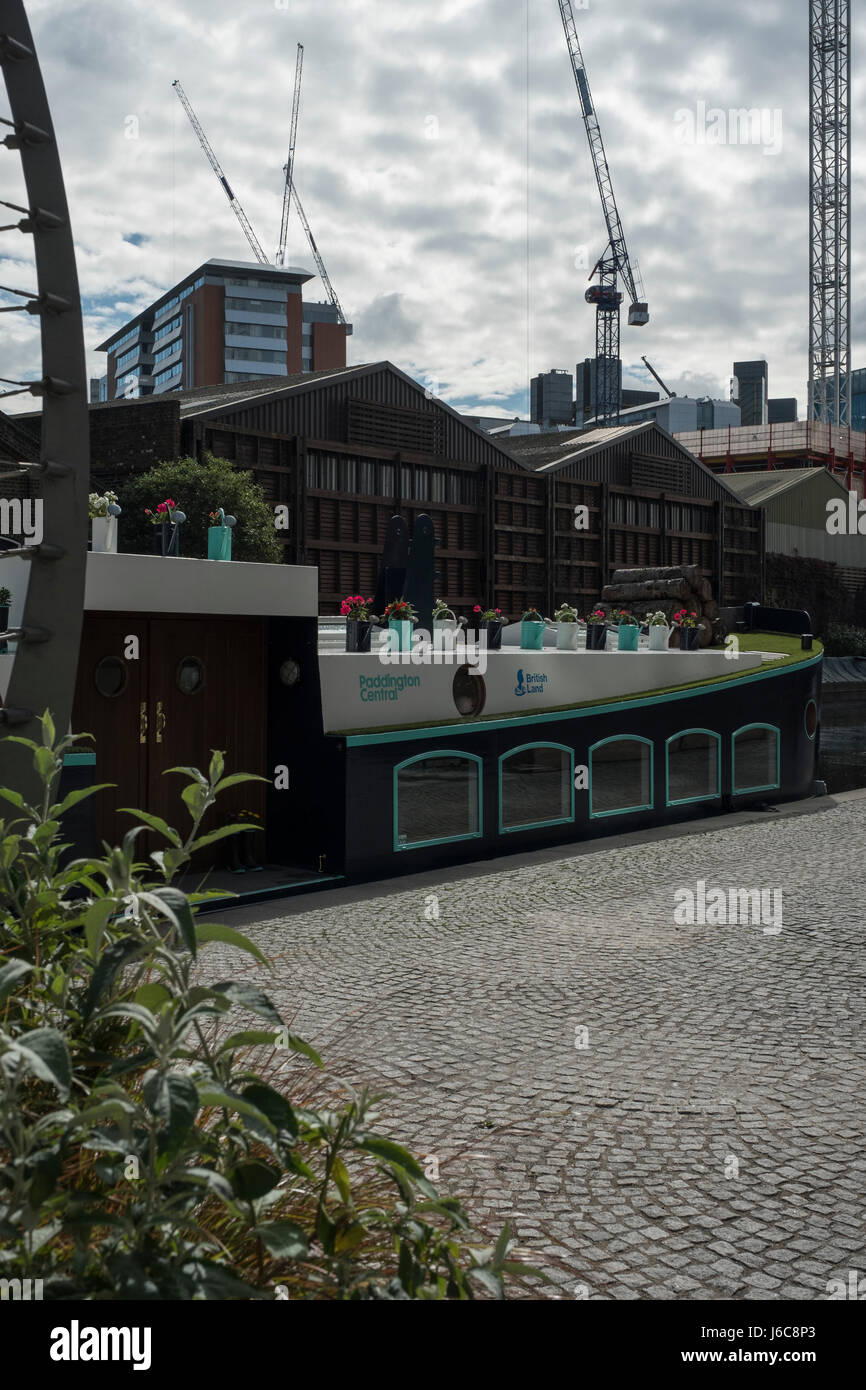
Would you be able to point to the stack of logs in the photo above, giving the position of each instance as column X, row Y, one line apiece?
column 669, row 588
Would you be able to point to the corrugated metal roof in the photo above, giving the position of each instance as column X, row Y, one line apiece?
column 198, row 399
column 760, row 488
column 844, row 670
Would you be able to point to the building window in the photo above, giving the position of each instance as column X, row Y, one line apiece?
column 437, row 799
column 167, row 328
column 254, row 330
column 167, row 351
column 242, row 376
column 168, row 374
column 620, row 776
column 258, row 306
column 127, row 338
column 536, row 787
column 128, row 358
column 756, row 758
column 251, row 354
column 694, row 760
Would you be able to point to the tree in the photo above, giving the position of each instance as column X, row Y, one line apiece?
column 198, row 488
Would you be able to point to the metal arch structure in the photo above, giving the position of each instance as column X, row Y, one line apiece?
column 47, row 640
column 615, row 261
column 829, row 211
column 290, row 161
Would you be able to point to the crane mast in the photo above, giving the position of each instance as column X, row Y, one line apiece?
column 614, row 261
column 215, row 165
column 290, row 160
column 320, row 264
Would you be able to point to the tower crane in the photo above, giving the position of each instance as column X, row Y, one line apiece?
column 650, row 368
column 289, row 166
column 215, row 165
column 614, row 261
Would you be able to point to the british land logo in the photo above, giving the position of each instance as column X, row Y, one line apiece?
column 532, row 683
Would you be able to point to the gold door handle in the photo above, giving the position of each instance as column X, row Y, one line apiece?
column 142, row 722
column 160, row 721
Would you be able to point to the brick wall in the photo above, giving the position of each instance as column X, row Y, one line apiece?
column 132, row 436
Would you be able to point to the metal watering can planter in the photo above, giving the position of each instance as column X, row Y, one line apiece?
column 659, row 636
column 444, row 632
column 566, row 637
column 400, row 634
column 531, row 635
column 103, row 531
column 166, row 535
column 628, row 634
column 219, row 538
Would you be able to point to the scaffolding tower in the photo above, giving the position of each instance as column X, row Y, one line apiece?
column 829, row 211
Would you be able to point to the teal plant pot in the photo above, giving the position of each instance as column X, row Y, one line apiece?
column 627, row 640
column 219, row 543
column 401, row 638
column 531, row 636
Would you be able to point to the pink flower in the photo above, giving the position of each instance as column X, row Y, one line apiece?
column 477, row 608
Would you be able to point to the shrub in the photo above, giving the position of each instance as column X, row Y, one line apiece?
column 840, row 639
column 196, row 489
column 142, row 1154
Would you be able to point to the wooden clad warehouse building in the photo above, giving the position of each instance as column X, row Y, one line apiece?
column 346, row 449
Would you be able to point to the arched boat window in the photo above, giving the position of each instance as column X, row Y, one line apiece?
column 693, row 767
column 620, row 776
column 437, row 799
column 756, row 758
column 536, row 786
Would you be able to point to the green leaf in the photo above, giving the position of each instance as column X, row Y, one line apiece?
column 212, row 931
column 46, row 763
column 15, row 797
column 49, row 733
column 72, row 798
column 502, row 1244
column 251, row 1038
column 285, row 1240
column 177, row 906
column 490, row 1281
column 43, row 1050
column 155, row 822
column 211, row 1094
column 249, row 997
column 173, row 1099
column 213, row 835
column 274, row 1106
column 235, row 778
column 11, row 973
column 196, row 799
column 340, row 1176
column 253, row 1179
column 152, row 996
column 207, row 1177
column 95, row 920
column 217, row 763
column 392, row 1153
column 191, row 772
column 114, row 957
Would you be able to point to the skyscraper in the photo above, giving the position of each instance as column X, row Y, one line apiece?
column 753, row 397
column 552, row 397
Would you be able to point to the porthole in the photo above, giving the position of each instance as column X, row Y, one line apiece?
column 290, row 672
column 111, row 677
column 810, row 718
column 189, row 678
column 469, row 691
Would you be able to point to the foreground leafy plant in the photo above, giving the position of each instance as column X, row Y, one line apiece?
column 141, row 1154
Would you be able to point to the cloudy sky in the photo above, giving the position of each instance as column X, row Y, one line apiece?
column 445, row 172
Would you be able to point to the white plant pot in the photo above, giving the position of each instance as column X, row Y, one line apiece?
column 566, row 637
column 103, row 534
column 658, row 638
column 443, row 634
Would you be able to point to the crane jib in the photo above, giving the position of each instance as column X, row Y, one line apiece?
column 585, row 98
column 225, row 183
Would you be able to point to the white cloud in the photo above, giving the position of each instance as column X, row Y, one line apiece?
column 429, row 241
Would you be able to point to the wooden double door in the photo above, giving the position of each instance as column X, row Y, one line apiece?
column 162, row 692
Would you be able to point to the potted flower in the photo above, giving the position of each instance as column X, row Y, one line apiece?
column 491, row 621
column 659, row 631
column 532, row 631
column 103, row 511
column 596, row 630
column 444, row 621
column 359, row 622
column 219, row 536
column 628, row 629
column 5, row 605
column 687, row 622
column 400, row 615
column 565, row 618
column 165, row 521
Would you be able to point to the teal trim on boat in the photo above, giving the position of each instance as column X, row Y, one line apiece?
column 79, row 760
column 515, row 721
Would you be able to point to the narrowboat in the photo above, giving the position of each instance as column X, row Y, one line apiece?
column 391, row 762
